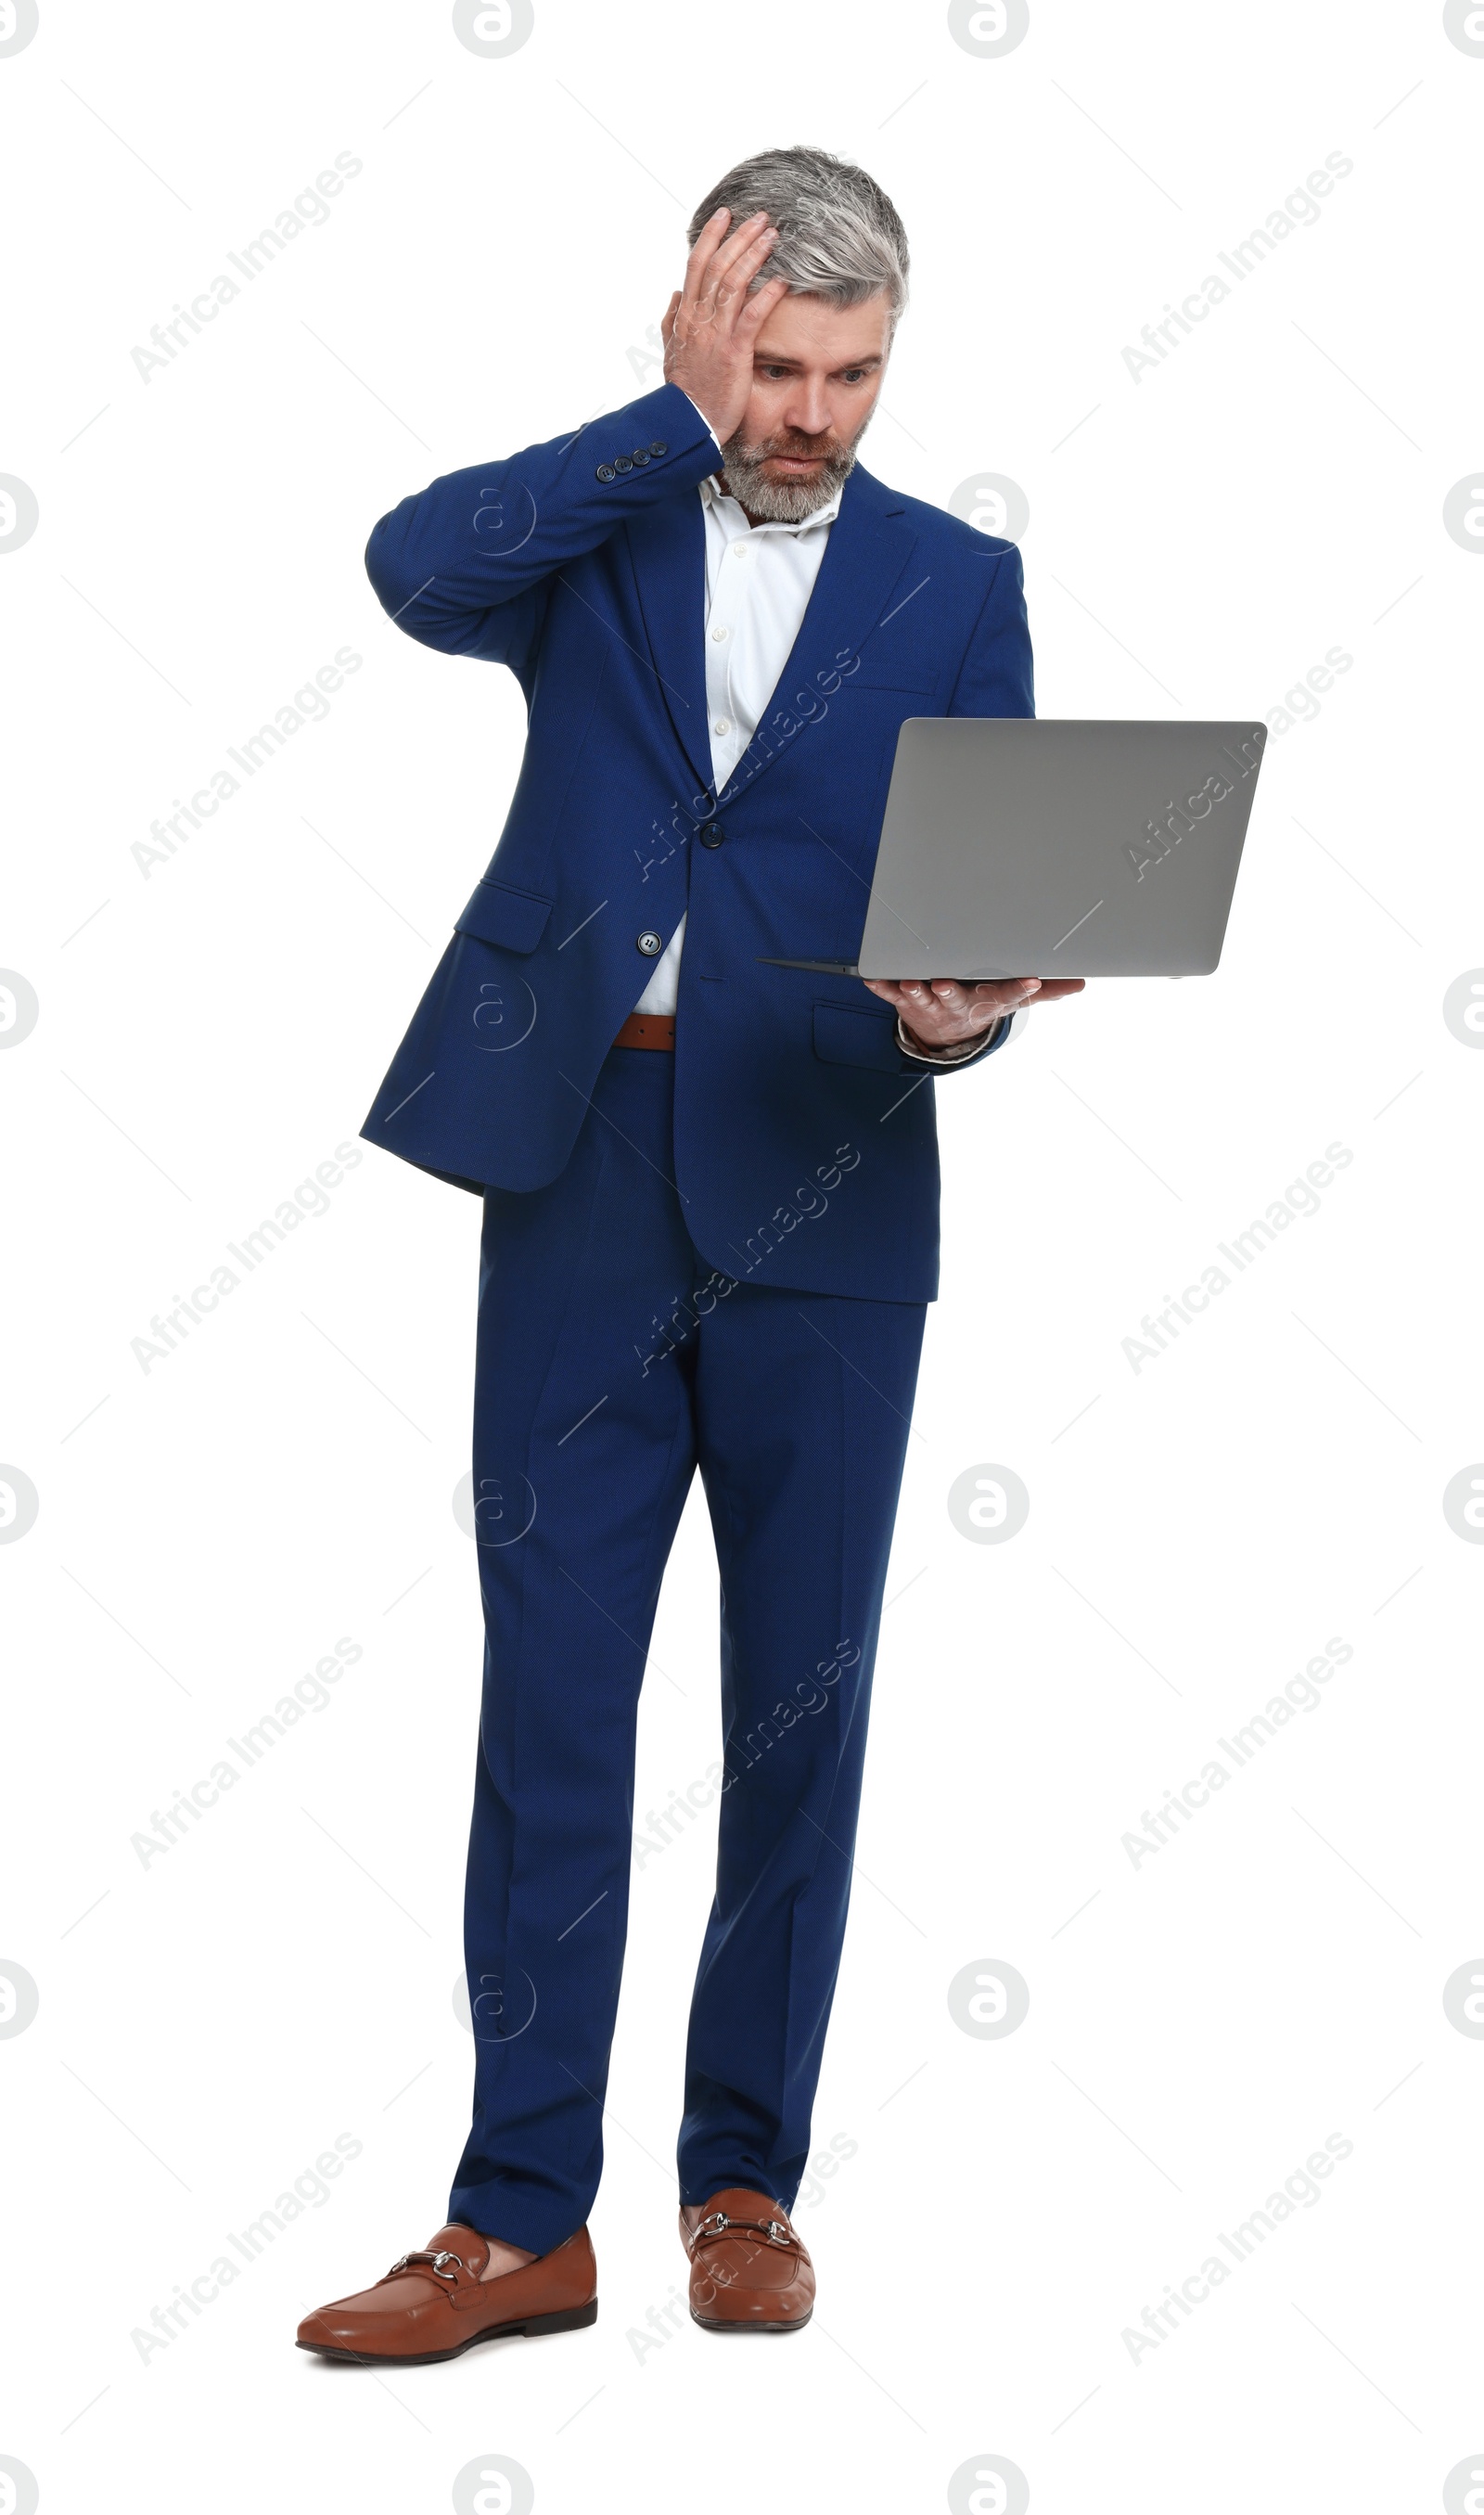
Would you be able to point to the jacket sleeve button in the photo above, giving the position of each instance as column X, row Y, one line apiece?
column 623, row 462
column 604, row 471
column 650, row 943
column 658, row 448
column 641, row 457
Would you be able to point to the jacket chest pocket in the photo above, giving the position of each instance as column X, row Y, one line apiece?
column 880, row 672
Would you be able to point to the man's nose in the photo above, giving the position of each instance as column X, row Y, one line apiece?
column 807, row 412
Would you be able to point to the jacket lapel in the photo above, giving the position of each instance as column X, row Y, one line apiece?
column 863, row 578
column 668, row 548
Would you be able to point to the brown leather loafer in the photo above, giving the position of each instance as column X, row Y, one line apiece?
column 434, row 2304
column 749, row 2271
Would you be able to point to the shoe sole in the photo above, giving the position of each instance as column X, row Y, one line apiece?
column 797, row 2324
column 575, row 2319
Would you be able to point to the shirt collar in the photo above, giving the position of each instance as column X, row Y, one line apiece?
column 713, row 494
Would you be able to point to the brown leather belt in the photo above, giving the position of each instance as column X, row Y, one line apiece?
column 647, row 1030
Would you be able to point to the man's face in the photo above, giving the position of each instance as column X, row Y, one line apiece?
column 817, row 373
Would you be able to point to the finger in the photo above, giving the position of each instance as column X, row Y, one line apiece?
column 733, row 294
column 997, row 995
column 723, row 255
column 735, row 283
column 754, row 313
column 667, row 319
column 735, row 247
column 699, row 259
column 705, row 246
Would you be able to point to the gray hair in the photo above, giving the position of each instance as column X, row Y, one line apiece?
column 839, row 236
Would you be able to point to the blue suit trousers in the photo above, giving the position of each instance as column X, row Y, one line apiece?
column 613, row 1360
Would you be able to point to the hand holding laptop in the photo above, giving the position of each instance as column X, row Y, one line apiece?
column 940, row 1012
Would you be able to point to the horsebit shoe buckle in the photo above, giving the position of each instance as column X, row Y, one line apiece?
column 774, row 2229
column 434, row 2262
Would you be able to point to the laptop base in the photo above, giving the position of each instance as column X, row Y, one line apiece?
column 836, row 969
column 852, row 970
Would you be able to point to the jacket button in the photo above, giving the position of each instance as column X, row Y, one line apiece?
column 711, row 834
column 649, row 943
column 623, row 462
column 604, row 471
column 641, row 457
column 658, row 448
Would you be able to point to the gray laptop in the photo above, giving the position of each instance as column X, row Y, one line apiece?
column 1055, row 847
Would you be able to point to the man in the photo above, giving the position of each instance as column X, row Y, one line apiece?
column 710, row 1197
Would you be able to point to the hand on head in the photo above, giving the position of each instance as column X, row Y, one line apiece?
column 712, row 323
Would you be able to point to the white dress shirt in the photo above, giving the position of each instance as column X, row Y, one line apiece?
column 758, row 580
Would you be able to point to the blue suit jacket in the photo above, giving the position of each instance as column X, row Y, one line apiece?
column 804, row 1144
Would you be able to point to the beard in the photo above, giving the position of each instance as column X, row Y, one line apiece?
column 786, row 502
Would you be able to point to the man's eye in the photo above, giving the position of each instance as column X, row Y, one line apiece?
column 853, row 375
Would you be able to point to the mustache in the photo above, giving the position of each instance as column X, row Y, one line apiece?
column 788, row 501
column 831, row 450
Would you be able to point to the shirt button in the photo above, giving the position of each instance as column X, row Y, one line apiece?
column 649, row 943
column 604, row 471
column 623, row 462
column 739, row 550
column 723, row 726
column 711, row 834
column 718, row 633
column 658, row 448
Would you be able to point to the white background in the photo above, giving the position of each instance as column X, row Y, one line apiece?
column 1198, row 1528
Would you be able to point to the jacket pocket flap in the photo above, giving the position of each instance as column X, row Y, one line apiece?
column 851, row 1035
column 499, row 914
